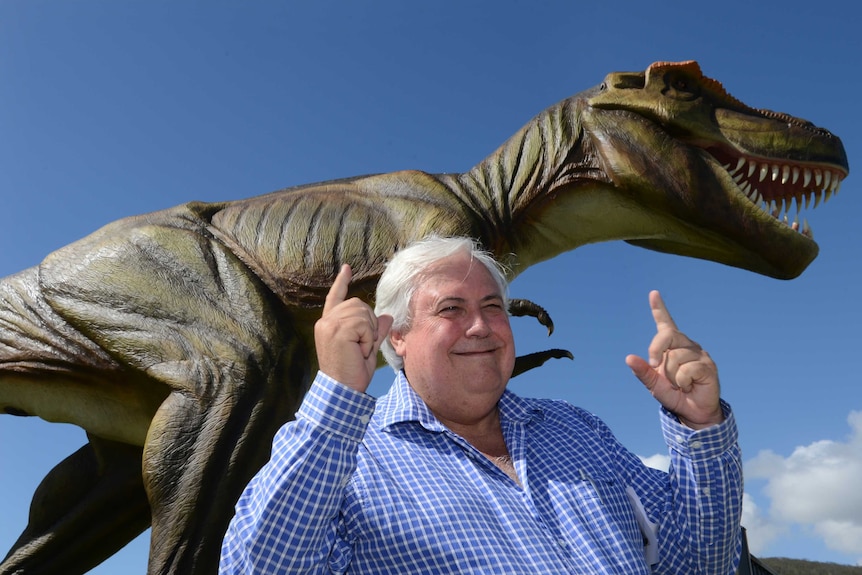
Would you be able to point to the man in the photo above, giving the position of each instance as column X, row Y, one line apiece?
column 452, row 473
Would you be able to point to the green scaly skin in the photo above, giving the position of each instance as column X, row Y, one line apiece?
column 181, row 340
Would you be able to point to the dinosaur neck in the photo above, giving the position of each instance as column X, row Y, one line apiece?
column 510, row 187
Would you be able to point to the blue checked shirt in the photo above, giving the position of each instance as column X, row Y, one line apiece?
column 354, row 489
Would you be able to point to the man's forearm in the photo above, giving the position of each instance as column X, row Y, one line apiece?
column 291, row 503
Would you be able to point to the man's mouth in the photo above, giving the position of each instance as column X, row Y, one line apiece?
column 477, row 352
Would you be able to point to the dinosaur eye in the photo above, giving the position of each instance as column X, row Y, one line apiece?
column 680, row 88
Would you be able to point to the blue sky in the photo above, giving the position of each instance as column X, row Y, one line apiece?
column 110, row 109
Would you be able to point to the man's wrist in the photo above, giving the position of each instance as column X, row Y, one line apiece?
column 337, row 407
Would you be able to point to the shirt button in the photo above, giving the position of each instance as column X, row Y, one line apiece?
column 562, row 543
column 363, row 419
column 696, row 444
column 705, row 491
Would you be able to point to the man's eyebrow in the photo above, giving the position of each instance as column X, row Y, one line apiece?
column 456, row 299
column 450, row 299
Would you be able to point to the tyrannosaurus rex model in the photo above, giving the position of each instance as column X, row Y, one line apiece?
column 182, row 339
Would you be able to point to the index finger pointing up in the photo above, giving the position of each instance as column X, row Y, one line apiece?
column 338, row 290
column 662, row 317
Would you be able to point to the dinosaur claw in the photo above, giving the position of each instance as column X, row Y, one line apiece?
column 525, row 307
column 532, row 360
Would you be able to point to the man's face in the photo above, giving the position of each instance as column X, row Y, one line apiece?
column 459, row 351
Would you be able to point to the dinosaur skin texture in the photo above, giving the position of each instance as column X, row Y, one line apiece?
column 181, row 340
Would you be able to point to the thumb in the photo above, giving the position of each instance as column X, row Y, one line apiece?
column 642, row 370
column 384, row 323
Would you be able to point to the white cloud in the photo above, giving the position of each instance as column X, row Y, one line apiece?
column 760, row 530
column 658, row 461
column 816, row 487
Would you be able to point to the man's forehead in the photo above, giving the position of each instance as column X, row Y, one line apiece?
column 458, row 286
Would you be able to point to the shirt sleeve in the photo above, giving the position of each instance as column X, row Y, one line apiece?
column 285, row 520
column 699, row 527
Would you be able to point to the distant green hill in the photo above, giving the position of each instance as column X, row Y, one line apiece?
column 783, row 566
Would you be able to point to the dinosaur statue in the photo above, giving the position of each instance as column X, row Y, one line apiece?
column 180, row 340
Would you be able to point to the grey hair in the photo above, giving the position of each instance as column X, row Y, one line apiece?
column 405, row 271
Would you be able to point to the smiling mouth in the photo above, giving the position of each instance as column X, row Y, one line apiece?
column 477, row 352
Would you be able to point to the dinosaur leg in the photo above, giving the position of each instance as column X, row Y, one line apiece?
column 87, row 508
column 178, row 306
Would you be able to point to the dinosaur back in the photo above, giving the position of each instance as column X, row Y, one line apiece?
column 296, row 239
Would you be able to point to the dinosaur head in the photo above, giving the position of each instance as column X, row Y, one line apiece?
column 723, row 181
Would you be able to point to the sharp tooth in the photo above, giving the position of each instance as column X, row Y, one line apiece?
column 827, row 193
column 738, row 167
column 746, row 188
column 773, row 209
column 738, row 178
column 795, row 175
column 798, row 198
column 817, row 178
column 806, row 177
column 836, row 181
column 752, row 165
column 764, row 169
column 785, row 174
column 827, row 180
column 806, row 229
column 836, row 185
column 784, row 219
column 775, row 171
column 753, row 195
column 817, row 197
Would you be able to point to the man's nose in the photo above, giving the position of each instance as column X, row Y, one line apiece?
column 478, row 326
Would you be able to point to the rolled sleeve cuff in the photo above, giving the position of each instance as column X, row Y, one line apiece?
column 337, row 408
column 702, row 443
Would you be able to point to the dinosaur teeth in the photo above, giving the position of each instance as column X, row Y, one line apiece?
column 753, row 195
column 774, row 188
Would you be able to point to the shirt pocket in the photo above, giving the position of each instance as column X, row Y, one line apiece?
column 593, row 508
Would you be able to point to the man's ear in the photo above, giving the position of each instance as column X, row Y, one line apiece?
column 396, row 338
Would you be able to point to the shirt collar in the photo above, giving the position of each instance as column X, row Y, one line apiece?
column 402, row 404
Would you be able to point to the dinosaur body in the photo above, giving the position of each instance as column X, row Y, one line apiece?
column 182, row 339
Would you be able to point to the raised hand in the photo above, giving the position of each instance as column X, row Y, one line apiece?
column 679, row 373
column 348, row 335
